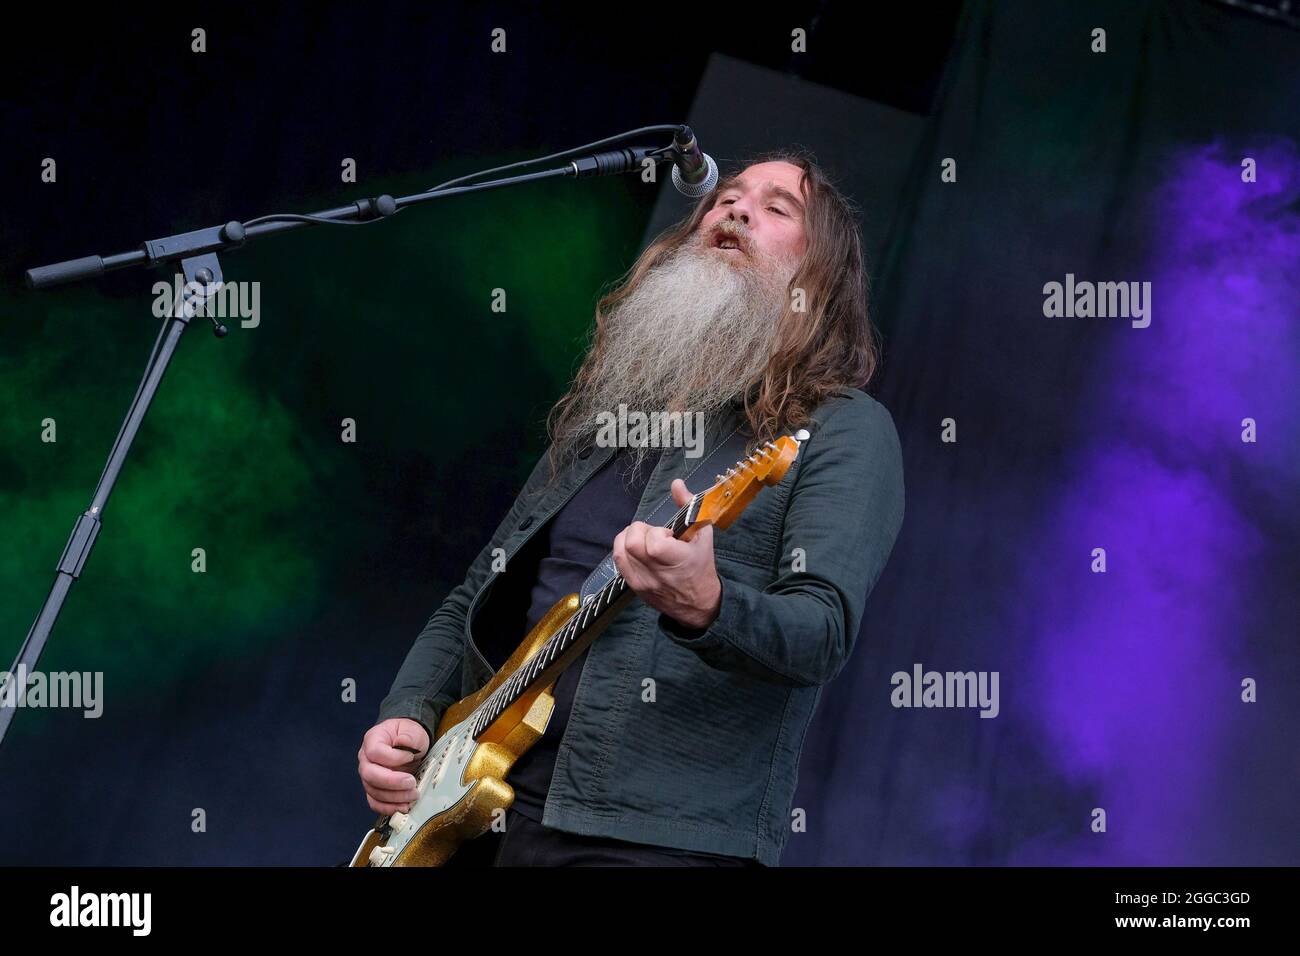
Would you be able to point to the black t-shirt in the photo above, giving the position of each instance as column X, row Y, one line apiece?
column 576, row 540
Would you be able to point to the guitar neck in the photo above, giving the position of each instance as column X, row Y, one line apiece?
column 567, row 644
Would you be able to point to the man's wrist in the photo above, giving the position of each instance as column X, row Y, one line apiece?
column 699, row 619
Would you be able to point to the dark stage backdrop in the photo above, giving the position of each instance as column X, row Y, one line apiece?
column 1119, row 691
column 224, row 690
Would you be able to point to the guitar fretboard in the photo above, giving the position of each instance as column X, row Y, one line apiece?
column 597, row 611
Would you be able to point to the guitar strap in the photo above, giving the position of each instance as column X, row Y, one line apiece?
column 725, row 454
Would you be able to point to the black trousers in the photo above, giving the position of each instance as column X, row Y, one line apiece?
column 525, row 842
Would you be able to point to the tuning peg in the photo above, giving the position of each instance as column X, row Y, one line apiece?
column 802, row 435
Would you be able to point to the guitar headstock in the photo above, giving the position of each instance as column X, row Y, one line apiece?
column 724, row 502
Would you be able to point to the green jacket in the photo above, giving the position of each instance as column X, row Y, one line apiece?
column 709, row 761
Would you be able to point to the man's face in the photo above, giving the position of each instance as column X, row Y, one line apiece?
column 696, row 331
column 758, row 214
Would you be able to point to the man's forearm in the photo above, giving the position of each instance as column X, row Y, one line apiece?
column 428, row 681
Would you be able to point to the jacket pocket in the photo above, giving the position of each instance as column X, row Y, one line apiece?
column 755, row 536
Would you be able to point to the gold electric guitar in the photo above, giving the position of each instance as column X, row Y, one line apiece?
column 461, row 780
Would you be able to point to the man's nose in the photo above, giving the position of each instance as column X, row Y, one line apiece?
column 736, row 212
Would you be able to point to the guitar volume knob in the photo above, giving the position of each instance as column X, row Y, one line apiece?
column 381, row 853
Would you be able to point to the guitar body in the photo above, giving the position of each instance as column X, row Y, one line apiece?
column 463, row 783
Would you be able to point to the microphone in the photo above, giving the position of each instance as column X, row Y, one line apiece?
column 694, row 173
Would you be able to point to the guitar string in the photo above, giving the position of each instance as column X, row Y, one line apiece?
column 557, row 643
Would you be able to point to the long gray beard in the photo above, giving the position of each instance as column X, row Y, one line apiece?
column 695, row 335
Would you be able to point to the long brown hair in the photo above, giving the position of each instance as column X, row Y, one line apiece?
column 827, row 345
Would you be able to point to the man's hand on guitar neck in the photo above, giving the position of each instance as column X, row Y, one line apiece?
column 387, row 761
column 675, row 577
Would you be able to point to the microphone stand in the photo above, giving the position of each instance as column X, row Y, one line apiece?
column 195, row 257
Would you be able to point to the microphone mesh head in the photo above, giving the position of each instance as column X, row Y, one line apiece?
column 695, row 190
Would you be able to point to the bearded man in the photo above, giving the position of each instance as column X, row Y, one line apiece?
column 675, row 737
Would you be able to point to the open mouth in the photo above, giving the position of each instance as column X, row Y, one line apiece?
column 724, row 240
